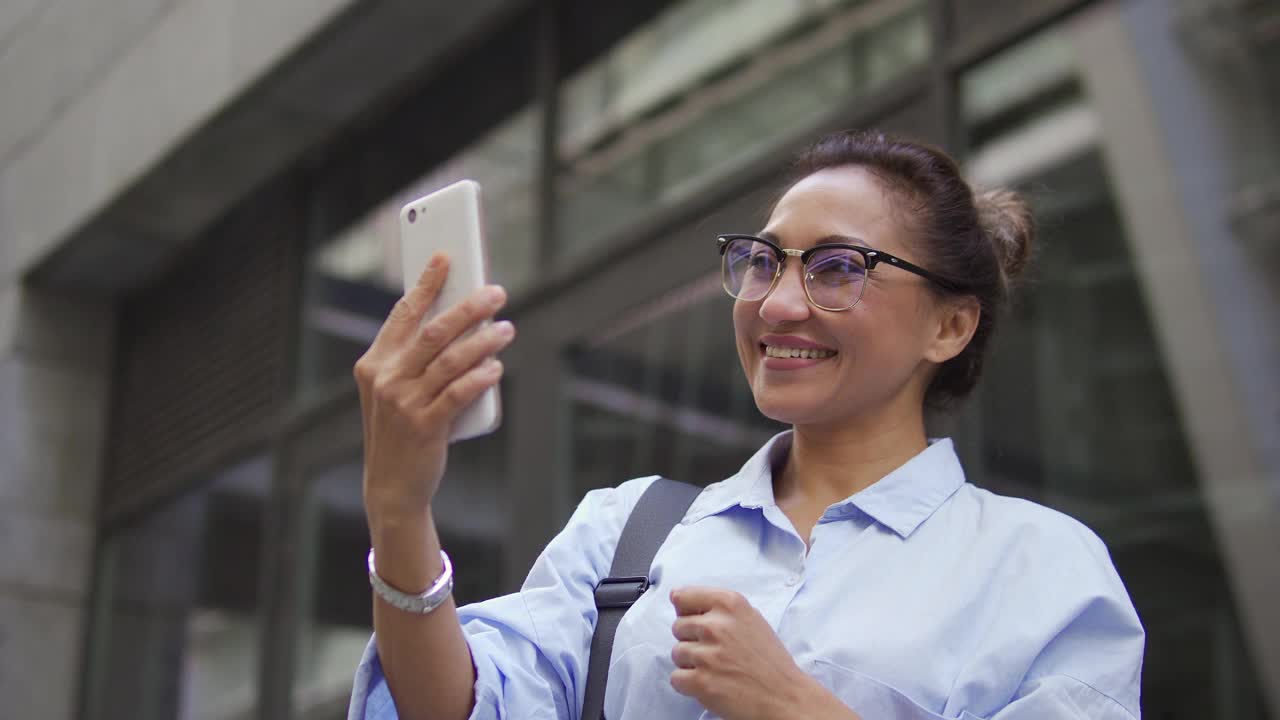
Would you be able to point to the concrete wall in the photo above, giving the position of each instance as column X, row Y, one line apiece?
column 92, row 96
column 98, row 93
column 53, row 396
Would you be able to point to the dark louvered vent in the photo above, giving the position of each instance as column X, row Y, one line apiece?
column 203, row 357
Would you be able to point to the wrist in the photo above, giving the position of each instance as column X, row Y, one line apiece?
column 407, row 551
column 420, row 603
column 398, row 521
column 811, row 699
column 392, row 510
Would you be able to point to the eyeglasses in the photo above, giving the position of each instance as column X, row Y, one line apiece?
column 834, row 274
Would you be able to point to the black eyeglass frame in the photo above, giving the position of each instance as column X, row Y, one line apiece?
column 870, row 256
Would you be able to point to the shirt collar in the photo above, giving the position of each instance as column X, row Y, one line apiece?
column 900, row 501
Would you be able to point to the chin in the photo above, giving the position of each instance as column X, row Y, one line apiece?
column 790, row 408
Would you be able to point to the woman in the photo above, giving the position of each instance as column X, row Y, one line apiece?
column 848, row 570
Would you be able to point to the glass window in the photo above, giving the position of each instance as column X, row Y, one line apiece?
column 355, row 277
column 710, row 86
column 336, row 613
column 176, row 633
column 335, row 617
column 1076, row 410
column 662, row 392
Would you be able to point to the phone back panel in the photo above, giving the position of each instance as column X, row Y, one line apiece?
column 449, row 220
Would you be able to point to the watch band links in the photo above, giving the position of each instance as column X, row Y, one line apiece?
column 420, row 604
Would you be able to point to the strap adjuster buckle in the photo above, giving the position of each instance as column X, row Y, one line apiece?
column 620, row 592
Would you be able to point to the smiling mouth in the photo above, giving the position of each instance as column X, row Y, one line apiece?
column 779, row 351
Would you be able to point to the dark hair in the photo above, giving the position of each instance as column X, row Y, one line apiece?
column 980, row 242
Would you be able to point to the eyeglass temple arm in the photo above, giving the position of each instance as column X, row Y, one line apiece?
column 876, row 256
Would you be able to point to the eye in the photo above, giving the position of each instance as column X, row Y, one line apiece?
column 837, row 266
column 762, row 261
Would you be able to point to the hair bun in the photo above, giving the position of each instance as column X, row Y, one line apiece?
column 1007, row 221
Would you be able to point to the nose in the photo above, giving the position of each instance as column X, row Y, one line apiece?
column 787, row 302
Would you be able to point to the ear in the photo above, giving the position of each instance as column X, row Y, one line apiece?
column 956, row 321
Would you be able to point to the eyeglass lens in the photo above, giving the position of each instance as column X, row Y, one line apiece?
column 833, row 277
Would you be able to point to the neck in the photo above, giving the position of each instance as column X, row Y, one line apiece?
column 831, row 462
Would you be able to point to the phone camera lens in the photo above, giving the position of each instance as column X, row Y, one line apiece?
column 413, row 214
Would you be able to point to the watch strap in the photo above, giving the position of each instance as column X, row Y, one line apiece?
column 420, row 604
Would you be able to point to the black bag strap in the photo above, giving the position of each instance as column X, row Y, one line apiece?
column 662, row 505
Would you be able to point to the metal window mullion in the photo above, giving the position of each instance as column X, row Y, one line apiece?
column 538, row 447
column 547, row 90
column 534, row 487
column 285, row 577
column 944, row 80
column 278, row 582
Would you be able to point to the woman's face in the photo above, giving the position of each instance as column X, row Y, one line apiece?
column 880, row 344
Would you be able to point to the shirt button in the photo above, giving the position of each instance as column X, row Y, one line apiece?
column 792, row 580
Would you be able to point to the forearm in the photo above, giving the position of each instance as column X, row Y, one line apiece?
column 425, row 658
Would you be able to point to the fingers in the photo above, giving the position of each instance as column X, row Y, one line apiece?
column 686, row 628
column 687, row 655
column 460, row 393
column 442, row 330
column 708, row 629
column 464, row 354
column 409, row 309
column 685, row 681
column 694, row 600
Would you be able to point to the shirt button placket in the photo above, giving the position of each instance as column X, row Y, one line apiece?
column 796, row 575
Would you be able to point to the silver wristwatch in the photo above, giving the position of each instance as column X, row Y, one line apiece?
column 420, row 604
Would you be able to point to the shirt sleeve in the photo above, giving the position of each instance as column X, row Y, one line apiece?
column 530, row 648
column 1090, row 668
column 1066, row 643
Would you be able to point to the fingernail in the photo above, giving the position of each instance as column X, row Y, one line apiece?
column 504, row 328
column 436, row 261
column 494, row 294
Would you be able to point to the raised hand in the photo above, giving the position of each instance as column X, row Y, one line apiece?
column 414, row 381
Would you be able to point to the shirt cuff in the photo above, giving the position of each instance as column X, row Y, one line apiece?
column 869, row 697
column 1060, row 697
column 371, row 698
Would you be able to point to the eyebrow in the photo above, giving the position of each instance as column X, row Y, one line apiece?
column 824, row 240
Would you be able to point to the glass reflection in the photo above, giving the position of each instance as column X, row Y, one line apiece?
column 711, row 86
column 662, row 392
column 177, row 634
column 1075, row 410
column 335, row 609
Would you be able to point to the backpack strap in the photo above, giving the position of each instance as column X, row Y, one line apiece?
column 662, row 505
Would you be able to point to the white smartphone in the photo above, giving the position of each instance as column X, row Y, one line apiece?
column 449, row 220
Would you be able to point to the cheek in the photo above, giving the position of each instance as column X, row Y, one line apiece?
column 743, row 315
column 873, row 335
column 887, row 334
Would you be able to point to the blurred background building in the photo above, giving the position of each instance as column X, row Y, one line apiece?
column 198, row 238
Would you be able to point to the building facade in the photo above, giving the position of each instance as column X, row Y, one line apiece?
column 198, row 239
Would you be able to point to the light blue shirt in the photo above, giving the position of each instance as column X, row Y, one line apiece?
column 920, row 597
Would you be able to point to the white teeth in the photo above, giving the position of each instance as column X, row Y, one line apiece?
column 804, row 353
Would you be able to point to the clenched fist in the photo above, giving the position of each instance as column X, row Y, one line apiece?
column 729, row 659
